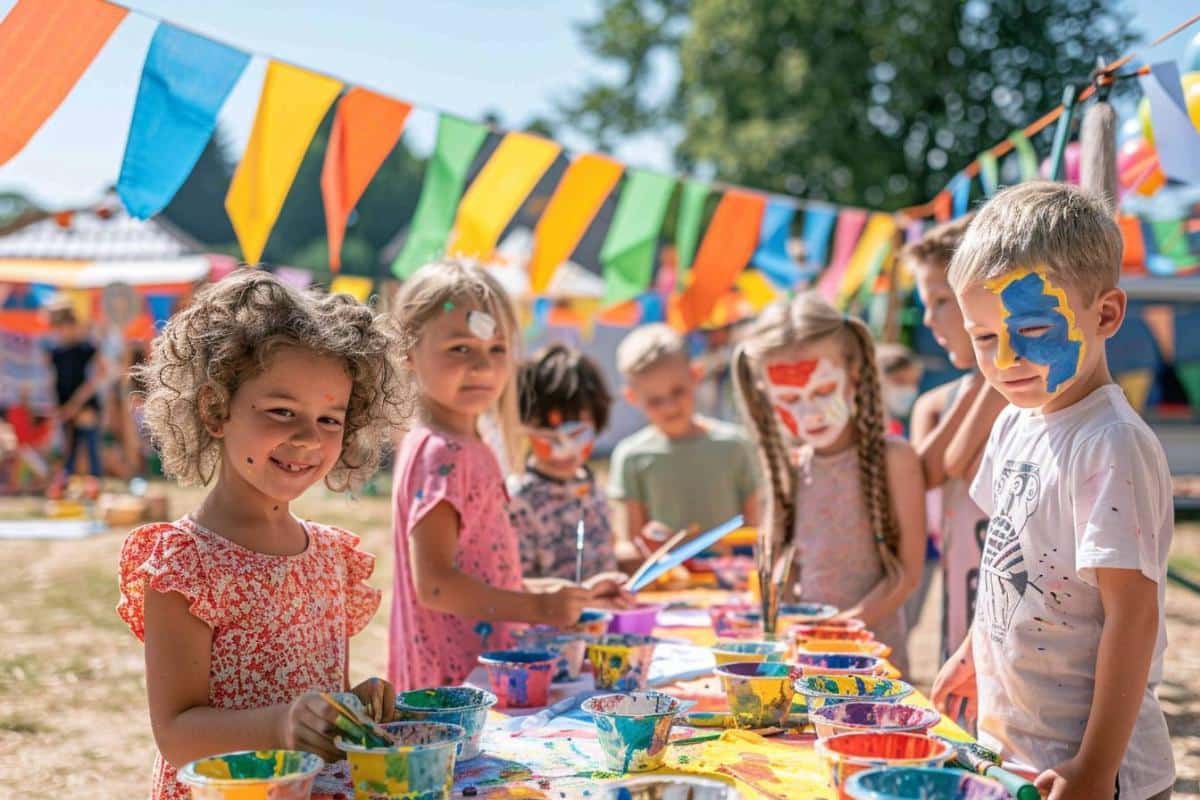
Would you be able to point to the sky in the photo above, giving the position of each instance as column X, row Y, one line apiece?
column 512, row 57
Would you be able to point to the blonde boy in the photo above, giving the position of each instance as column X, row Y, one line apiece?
column 682, row 470
column 1067, row 642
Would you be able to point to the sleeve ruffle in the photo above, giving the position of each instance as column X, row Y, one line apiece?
column 164, row 558
column 362, row 599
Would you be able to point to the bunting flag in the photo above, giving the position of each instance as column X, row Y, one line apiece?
column 688, row 225
column 1189, row 377
column 294, row 276
column 989, row 172
column 943, row 206
column 818, row 225
column 498, row 191
column 46, row 46
column 772, row 256
column 1136, row 385
column 960, row 194
column 356, row 286
column 365, row 129
column 445, row 175
column 291, row 106
column 867, row 258
column 583, row 189
column 628, row 252
column 161, row 307
column 1027, row 159
column 727, row 246
column 1175, row 138
column 849, row 225
column 753, row 285
column 185, row 81
column 1133, row 254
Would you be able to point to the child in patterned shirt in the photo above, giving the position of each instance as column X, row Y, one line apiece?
column 564, row 404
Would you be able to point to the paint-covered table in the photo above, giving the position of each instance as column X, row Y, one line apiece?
column 527, row 754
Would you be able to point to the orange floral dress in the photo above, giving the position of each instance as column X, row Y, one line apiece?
column 280, row 624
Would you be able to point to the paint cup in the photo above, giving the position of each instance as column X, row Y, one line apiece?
column 849, row 753
column 569, row 647
column 759, row 693
column 633, row 729
column 420, row 767
column 816, row 630
column 835, row 634
column 253, row 775
column 464, row 706
column 639, row 620
column 839, row 664
column 591, row 622
column 668, row 787
column 843, row 646
column 621, row 660
column 922, row 783
column 730, row 621
column 800, row 613
column 825, row 690
column 863, row 717
column 733, row 651
column 520, row 678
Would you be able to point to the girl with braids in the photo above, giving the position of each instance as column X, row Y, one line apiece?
column 845, row 511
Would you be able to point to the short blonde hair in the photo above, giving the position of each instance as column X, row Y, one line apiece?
column 1061, row 228
column 647, row 346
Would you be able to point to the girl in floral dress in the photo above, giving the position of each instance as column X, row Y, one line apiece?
column 458, row 570
column 245, row 610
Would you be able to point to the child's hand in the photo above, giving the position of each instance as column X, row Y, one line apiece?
column 308, row 724
column 954, row 689
column 609, row 589
column 564, row 605
column 378, row 697
column 1072, row 780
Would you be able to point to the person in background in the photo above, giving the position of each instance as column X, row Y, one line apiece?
column 79, row 375
column 899, row 378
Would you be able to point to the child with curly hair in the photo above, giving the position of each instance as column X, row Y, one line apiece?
column 245, row 610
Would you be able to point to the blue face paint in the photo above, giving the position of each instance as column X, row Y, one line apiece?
column 1031, row 302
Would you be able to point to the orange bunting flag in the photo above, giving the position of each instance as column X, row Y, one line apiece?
column 45, row 47
column 572, row 207
column 725, row 250
column 365, row 130
column 502, row 185
column 292, row 104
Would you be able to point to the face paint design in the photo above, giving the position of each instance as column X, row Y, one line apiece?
column 1039, row 326
column 568, row 441
column 809, row 398
column 481, row 324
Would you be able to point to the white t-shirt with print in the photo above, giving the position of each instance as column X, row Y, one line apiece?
column 1067, row 492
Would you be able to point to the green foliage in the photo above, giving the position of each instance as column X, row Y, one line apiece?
column 872, row 102
column 198, row 208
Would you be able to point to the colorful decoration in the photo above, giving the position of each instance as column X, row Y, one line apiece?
column 1178, row 141
column 864, row 264
column 726, row 249
column 629, row 249
column 356, row 286
column 818, row 225
column 689, row 224
column 1026, row 155
column 849, row 225
column 290, row 108
column 772, row 256
column 989, row 172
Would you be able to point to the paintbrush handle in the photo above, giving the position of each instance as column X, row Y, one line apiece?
column 1014, row 784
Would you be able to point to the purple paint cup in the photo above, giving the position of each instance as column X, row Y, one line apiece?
column 640, row 620
column 863, row 716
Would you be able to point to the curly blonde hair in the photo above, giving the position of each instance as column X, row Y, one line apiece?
column 228, row 334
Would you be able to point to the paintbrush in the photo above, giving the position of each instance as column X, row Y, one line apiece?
column 709, row 737
column 579, row 549
column 353, row 724
column 978, row 759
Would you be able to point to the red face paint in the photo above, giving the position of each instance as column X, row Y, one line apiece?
column 791, row 373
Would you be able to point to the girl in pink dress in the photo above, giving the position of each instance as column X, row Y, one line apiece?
column 458, row 570
column 245, row 610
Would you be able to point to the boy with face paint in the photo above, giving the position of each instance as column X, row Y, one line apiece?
column 1065, row 653
column 564, row 405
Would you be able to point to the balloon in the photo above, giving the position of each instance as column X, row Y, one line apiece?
column 1070, row 164
column 1191, row 94
column 1191, row 56
column 1138, row 168
column 1143, row 113
column 1130, row 129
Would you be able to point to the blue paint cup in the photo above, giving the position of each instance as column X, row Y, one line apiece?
column 922, row 783
column 633, row 729
column 464, row 706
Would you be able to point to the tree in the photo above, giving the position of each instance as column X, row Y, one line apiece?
column 198, row 208
column 873, row 102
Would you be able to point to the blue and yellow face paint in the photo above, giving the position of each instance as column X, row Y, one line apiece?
column 1031, row 301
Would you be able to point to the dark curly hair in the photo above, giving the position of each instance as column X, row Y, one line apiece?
column 228, row 334
column 559, row 378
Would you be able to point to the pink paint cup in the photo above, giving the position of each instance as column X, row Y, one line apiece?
column 520, row 678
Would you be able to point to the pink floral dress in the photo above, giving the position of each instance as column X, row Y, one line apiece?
column 280, row 624
column 427, row 647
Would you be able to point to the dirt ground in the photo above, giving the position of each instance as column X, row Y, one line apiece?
column 73, row 719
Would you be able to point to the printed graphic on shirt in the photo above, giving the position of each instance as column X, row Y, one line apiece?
column 1003, row 570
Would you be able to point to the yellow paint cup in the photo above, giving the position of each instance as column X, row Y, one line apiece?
column 253, row 775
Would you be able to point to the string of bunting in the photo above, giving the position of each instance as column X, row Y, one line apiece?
column 187, row 77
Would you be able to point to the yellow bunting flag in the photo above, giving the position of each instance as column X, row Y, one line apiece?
column 356, row 286
column 756, row 289
column 291, row 106
column 498, row 191
column 1136, row 385
column 876, row 235
column 572, row 207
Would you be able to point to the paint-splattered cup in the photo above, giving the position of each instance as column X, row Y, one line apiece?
column 592, row 622
column 520, row 678
column 569, row 647
column 816, row 630
column 253, row 775
column 464, row 706
column 839, row 664
column 826, row 690
column 921, row 783
column 870, row 648
column 759, row 693
column 799, row 613
column 732, row 651
column 420, row 767
column 621, row 661
column 850, row 753
column 633, row 729
column 862, row 717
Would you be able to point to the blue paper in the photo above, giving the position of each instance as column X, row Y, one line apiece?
column 161, row 307
column 1175, row 138
column 687, row 550
column 185, row 81
column 818, row 225
column 772, row 257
